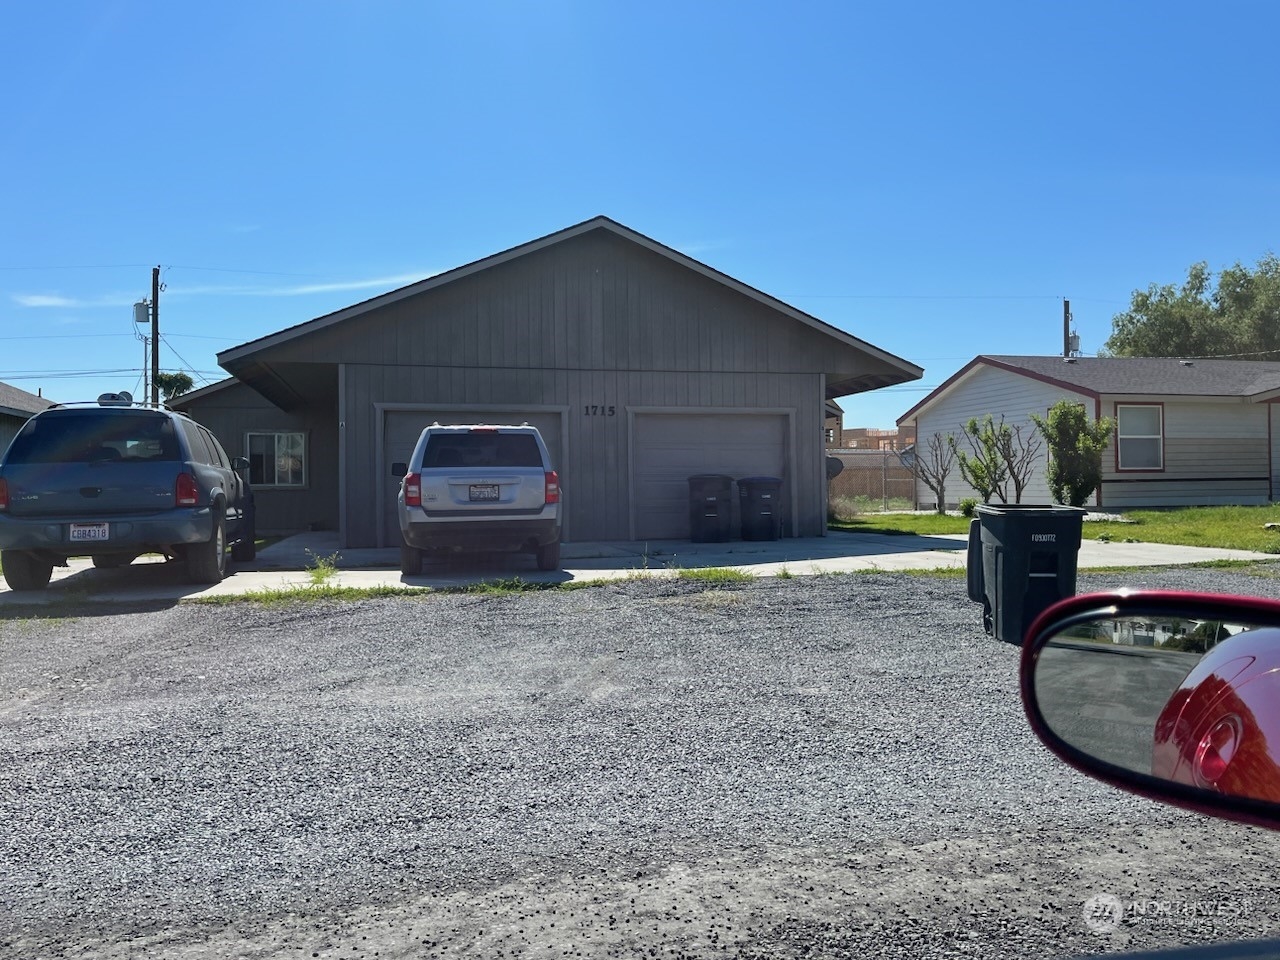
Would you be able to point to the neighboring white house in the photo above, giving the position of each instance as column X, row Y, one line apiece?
column 1188, row 432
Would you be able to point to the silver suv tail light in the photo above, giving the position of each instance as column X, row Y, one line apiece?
column 413, row 489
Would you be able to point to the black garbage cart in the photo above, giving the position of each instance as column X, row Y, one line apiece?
column 760, row 503
column 1021, row 560
column 710, row 508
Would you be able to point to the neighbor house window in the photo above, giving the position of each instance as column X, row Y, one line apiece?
column 1139, row 437
column 277, row 459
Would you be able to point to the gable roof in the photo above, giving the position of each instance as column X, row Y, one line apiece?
column 19, row 403
column 238, row 357
column 180, row 402
column 1256, row 380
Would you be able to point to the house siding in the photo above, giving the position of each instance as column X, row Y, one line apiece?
column 595, row 302
column 1215, row 453
column 596, row 468
column 234, row 411
column 9, row 427
column 995, row 391
column 596, row 320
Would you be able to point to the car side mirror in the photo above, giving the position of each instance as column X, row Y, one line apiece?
column 1174, row 696
column 398, row 470
column 240, row 463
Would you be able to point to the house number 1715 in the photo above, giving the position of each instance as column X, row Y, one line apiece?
column 591, row 410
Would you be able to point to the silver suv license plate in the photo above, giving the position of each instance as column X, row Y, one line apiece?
column 81, row 532
column 484, row 491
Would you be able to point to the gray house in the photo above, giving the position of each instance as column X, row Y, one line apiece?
column 639, row 365
column 16, row 408
column 1188, row 432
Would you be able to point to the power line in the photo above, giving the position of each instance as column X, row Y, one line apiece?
column 190, row 367
column 66, row 374
column 1231, row 356
column 172, row 266
column 93, row 266
column 259, row 273
column 67, row 336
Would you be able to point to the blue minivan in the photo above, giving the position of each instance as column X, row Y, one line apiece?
column 113, row 481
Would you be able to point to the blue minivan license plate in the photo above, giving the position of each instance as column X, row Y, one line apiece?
column 82, row 532
column 484, row 491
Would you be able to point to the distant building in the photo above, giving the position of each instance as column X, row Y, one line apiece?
column 16, row 408
column 871, row 438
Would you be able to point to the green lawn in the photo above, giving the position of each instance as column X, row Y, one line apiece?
column 1235, row 528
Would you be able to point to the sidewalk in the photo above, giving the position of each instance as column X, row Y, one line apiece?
column 837, row 552
column 286, row 563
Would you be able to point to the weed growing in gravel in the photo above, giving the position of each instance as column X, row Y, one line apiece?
column 501, row 587
column 285, row 596
column 784, row 574
column 940, row 573
column 715, row 575
column 321, row 569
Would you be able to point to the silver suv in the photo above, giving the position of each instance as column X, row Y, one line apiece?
column 478, row 487
column 114, row 481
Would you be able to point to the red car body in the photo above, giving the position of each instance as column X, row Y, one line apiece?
column 1220, row 730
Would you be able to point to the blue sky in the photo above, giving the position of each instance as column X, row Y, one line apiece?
column 933, row 178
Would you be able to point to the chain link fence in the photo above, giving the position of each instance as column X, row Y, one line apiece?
column 870, row 481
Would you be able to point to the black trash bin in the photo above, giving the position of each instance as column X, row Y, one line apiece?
column 1027, row 562
column 760, row 501
column 710, row 508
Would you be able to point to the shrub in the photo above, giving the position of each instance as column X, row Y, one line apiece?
column 1075, row 447
column 969, row 507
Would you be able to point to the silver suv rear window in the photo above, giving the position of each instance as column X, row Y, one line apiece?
column 88, row 437
column 482, row 450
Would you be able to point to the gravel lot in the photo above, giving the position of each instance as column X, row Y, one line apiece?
column 821, row 766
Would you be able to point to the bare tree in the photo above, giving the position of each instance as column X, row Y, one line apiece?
column 1020, row 455
column 934, row 463
column 1000, row 455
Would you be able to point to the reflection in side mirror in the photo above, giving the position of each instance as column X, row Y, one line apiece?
column 1178, row 698
column 240, row 463
column 398, row 470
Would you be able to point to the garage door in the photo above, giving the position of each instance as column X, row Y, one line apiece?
column 668, row 448
column 402, row 428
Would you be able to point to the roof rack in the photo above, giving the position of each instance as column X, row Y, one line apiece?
column 121, row 399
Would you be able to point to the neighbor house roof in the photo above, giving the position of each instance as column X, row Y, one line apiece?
column 901, row 370
column 1256, row 380
column 19, row 403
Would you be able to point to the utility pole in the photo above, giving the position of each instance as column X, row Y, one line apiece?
column 155, row 336
column 1066, row 328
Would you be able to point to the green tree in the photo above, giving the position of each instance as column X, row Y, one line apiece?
column 1075, row 450
column 173, row 384
column 1240, row 316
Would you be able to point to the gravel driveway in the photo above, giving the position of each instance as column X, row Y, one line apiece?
column 830, row 766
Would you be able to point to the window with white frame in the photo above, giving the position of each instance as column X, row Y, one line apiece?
column 1139, row 437
column 277, row 459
